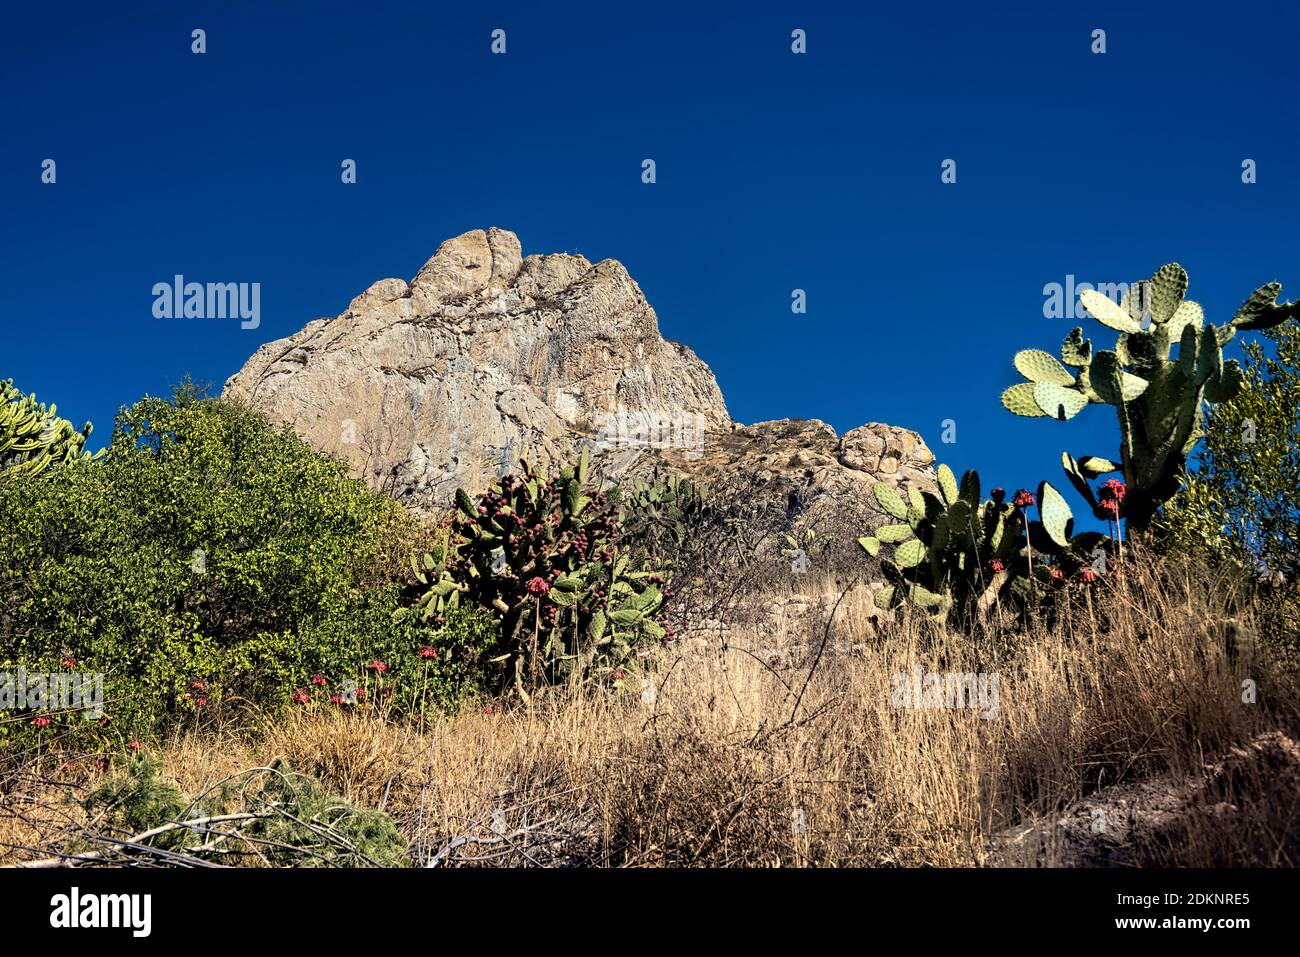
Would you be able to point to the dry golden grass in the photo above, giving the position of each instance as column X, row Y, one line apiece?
column 779, row 745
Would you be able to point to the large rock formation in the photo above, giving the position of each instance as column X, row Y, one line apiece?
column 487, row 357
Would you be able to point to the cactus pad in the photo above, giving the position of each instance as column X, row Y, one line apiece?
column 1108, row 312
column 1039, row 366
column 888, row 498
column 1057, row 401
column 1020, row 400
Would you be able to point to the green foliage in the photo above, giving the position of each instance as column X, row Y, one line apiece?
column 952, row 549
column 138, row 799
column 1240, row 502
column 303, row 817
column 210, row 559
column 543, row 554
column 660, row 512
column 33, row 437
column 272, row 816
column 1158, row 379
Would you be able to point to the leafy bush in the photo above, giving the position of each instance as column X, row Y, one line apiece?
column 1243, row 499
column 209, row 558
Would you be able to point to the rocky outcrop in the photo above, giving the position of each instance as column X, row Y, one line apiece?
column 487, row 357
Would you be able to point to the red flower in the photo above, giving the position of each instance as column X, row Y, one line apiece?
column 41, row 721
column 201, row 701
column 300, row 696
column 361, row 693
column 995, row 565
column 427, row 652
column 538, row 586
column 318, row 681
column 1058, row 574
column 619, row 674
column 489, row 709
column 336, row 699
column 198, row 686
column 1024, row 498
column 1112, row 496
column 135, row 744
column 69, row 663
column 1088, row 575
column 377, row 666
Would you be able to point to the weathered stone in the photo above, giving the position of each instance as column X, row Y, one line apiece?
column 487, row 358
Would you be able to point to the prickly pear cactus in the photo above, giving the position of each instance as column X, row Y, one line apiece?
column 660, row 509
column 33, row 437
column 953, row 549
column 543, row 553
column 1157, row 377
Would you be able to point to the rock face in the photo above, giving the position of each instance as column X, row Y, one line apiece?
column 487, row 357
column 482, row 358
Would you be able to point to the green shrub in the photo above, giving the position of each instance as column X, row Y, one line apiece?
column 207, row 562
column 265, row 816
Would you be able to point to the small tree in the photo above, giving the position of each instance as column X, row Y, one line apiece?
column 1242, row 497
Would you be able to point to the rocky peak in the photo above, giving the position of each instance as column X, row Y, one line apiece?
column 487, row 357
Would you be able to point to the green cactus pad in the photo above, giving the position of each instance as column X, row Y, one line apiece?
column 1056, row 515
column 894, row 533
column 1168, row 286
column 910, row 553
column 1077, row 478
column 970, row 488
column 1140, row 349
column 940, row 533
column 889, row 500
column 1076, row 350
column 948, row 484
column 870, row 545
column 884, row 599
column 1187, row 314
column 1227, row 386
column 1262, row 311
column 1019, row 399
column 1039, row 366
column 1111, row 382
column 1057, row 401
column 1094, row 465
column 924, row 597
column 1108, row 312
column 1084, row 385
column 466, row 504
column 1209, row 357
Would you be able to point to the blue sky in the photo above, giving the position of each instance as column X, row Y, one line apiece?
column 775, row 171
